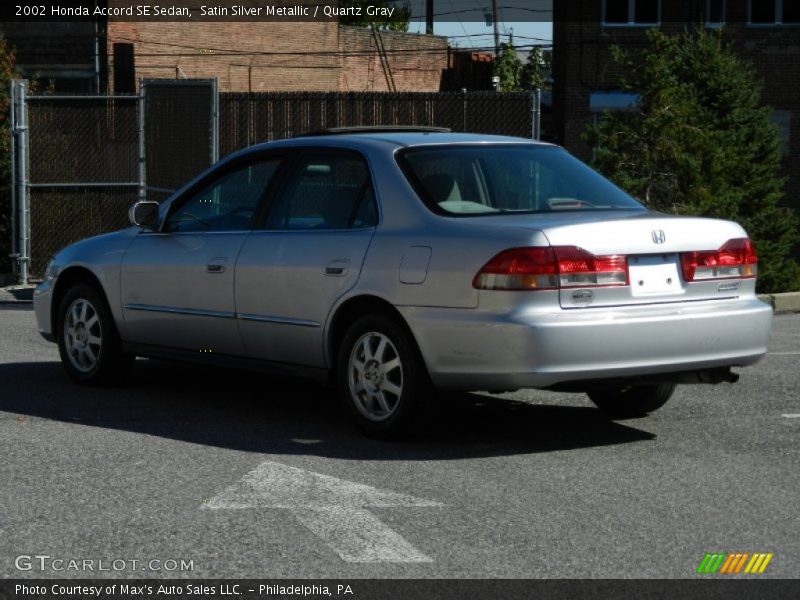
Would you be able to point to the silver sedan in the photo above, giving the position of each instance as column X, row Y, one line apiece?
column 398, row 264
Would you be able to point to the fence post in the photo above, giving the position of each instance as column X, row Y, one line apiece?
column 13, row 164
column 142, row 164
column 19, row 176
column 214, row 120
column 464, row 110
column 536, row 115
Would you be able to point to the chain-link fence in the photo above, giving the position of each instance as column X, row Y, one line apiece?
column 83, row 169
column 82, row 160
column 249, row 118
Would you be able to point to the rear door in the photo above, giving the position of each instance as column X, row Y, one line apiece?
column 307, row 254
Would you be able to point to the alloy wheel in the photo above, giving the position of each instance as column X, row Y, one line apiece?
column 375, row 376
column 83, row 335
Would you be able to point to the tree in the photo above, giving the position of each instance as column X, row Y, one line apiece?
column 699, row 142
column 508, row 67
column 397, row 22
column 535, row 73
column 7, row 72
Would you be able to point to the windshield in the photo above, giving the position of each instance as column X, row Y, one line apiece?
column 495, row 179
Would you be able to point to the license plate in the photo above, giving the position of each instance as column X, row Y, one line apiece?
column 655, row 275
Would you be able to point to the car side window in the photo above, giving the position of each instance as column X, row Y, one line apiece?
column 325, row 191
column 227, row 203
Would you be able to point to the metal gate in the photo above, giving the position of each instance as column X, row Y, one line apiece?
column 78, row 162
column 180, row 132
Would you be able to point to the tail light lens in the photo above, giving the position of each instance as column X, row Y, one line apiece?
column 735, row 259
column 579, row 268
column 519, row 269
column 550, row 268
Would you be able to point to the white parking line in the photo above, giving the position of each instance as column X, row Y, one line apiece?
column 784, row 353
column 332, row 509
column 792, row 416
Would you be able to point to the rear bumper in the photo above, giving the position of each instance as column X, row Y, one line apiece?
column 475, row 349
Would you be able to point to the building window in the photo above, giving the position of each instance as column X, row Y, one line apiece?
column 631, row 12
column 783, row 121
column 715, row 12
column 774, row 12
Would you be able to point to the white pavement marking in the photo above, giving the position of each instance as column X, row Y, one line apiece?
column 792, row 416
column 357, row 535
column 785, row 353
column 331, row 508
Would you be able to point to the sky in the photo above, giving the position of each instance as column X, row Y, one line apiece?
column 464, row 21
column 468, row 35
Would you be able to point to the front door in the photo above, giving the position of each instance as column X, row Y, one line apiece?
column 177, row 283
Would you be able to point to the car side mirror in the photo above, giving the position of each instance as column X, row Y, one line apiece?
column 144, row 214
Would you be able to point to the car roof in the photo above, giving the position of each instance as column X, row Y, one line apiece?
column 396, row 139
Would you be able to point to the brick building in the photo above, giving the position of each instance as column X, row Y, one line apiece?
column 469, row 70
column 765, row 32
column 111, row 55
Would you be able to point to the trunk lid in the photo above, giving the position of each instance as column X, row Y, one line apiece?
column 652, row 244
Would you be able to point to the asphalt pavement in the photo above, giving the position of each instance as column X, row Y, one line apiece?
column 198, row 472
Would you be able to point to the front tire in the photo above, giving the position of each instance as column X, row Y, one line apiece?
column 381, row 378
column 88, row 341
column 632, row 401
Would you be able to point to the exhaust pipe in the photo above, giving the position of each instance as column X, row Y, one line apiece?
column 722, row 375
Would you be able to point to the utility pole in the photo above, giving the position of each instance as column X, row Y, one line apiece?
column 496, row 30
column 429, row 17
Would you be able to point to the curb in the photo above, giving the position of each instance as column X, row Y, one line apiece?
column 788, row 302
column 16, row 294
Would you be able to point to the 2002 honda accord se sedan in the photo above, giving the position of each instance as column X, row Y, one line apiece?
column 402, row 262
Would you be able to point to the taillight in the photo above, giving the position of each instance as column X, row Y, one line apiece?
column 579, row 268
column 735, row 259
column 519, row 269
column 550, row 268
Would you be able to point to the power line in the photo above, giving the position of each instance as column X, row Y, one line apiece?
column 212, row 51
column 460, row 22
column 541, row 11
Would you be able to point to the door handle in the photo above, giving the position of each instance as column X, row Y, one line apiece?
column 337, row 267
column 217, row 265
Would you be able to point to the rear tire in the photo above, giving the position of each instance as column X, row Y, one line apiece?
column 382, row 379
column 632, row 401
column 88, row 341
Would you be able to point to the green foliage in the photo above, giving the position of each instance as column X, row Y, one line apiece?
column 700, row 143
column 516, row 76
column 7, row 73
column 508, row 67
column 535, row 73
column 398, row 21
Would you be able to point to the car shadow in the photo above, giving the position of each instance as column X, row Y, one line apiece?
column 262, row 413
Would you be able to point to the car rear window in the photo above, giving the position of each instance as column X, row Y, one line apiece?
column 485, row 179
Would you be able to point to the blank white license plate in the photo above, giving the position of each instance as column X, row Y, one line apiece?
column 652, row 275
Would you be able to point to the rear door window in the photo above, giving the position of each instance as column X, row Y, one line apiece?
column 325, row 191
